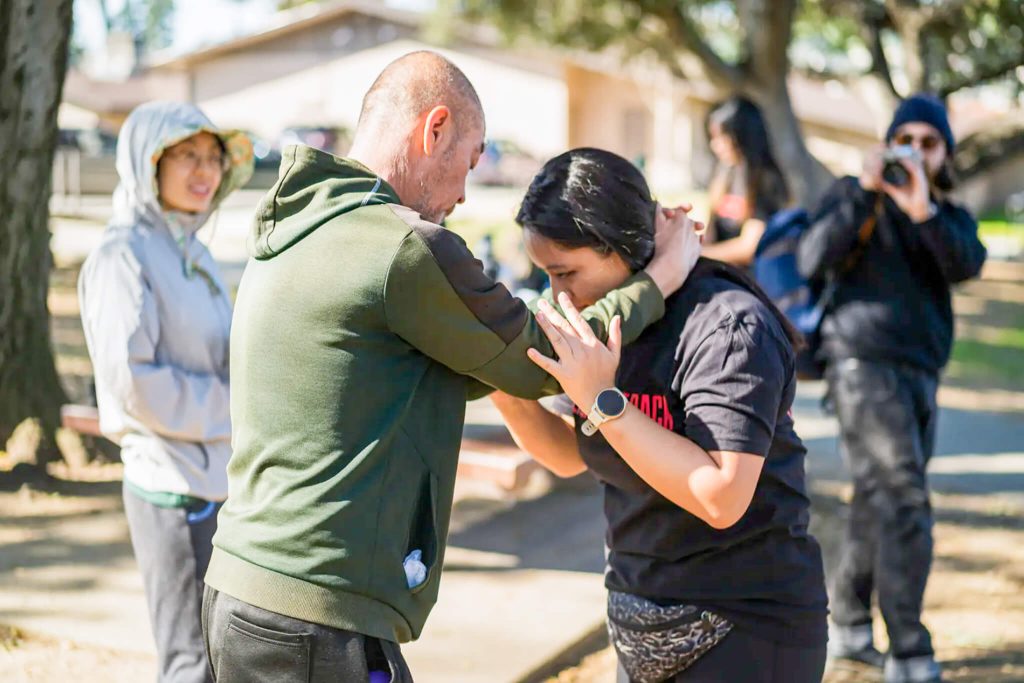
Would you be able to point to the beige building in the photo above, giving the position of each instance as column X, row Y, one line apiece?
column 313, row 64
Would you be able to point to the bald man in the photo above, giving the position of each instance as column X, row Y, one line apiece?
column 361, row 328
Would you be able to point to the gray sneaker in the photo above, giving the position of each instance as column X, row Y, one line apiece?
column 854, row 643
column 923, row 669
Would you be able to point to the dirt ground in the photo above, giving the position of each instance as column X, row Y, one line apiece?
column 41, row 660
column 29, row 507
column 975, row 600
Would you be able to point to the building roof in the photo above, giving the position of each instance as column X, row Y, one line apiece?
column 830, row 104
column 285, row 23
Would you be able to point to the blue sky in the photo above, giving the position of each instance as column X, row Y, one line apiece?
column 197, row 22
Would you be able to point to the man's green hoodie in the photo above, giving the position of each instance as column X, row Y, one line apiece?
column 359, row 332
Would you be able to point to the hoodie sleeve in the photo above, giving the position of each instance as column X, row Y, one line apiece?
column 833, row 231
column 438, row 299
column 951, row 237
column 122, row 328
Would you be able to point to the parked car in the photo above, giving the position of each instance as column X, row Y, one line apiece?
column 332, row 139
column 266, row 163
column 265, row 155
column 503, row 162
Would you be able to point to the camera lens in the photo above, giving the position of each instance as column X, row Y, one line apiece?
column 895, row 174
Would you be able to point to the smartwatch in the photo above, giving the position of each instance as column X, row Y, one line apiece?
column 609, row 404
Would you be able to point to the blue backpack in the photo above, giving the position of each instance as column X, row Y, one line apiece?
column 803, row 302
column 775, row 269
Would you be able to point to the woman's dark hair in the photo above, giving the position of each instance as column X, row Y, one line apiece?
column 589, row 197
column 742, row 121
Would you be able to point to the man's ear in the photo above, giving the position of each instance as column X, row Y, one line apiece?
column 435, row 126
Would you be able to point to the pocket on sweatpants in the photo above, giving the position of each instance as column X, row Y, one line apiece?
column 252, row 653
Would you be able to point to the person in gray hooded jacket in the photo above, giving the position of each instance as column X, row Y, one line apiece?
column 157, row 316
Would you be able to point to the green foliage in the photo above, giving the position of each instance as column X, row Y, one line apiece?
column 989, row 364
column 150, row 22
column 157, row 30
column 828, row 43
column 958, row 43
column 598, row 24
column 976, row 42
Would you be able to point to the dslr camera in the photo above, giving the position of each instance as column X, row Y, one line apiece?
column 893, row 171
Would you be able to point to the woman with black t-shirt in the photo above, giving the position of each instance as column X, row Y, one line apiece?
column 712, row 574
column 747, row 187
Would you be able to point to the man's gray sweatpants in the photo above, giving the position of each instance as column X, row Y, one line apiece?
column 173, row 547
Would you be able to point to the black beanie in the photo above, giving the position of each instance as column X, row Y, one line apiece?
column 922, row 108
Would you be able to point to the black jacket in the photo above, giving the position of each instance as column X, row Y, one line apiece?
column 894, row 305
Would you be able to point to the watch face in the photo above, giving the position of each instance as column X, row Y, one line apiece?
column 611, row 403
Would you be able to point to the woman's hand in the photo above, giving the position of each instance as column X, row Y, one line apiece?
column 677, row 244
column 585, row 367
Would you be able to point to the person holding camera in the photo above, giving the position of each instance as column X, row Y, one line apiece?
column 894, row 243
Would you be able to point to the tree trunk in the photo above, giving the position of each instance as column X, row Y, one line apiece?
column 34, row 38
column 767, row 29
column 807, row 177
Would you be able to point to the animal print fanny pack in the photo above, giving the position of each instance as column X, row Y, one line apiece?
column 656, row 642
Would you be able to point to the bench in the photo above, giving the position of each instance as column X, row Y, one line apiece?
column 82, row 419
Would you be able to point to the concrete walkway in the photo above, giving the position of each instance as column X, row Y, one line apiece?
column 977, row 452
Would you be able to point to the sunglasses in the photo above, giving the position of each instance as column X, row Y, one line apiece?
column 926, row 142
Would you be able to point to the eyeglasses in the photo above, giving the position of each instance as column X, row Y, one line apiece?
column 190, row 158
column 926, row 142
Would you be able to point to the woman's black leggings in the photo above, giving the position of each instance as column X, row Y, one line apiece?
column 744, row 658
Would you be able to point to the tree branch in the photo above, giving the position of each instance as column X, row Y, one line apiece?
column 984, row 75
column 105, row 13
column 940, row 11
column 664, row 50
column 871, row 20
column 682, row 31
column 879, row 62
column 909, row 23
column 984, row 150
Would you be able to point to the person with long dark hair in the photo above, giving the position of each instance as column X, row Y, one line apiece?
column 712, row 574
column 747, row 187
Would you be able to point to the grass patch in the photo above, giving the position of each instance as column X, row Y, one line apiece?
column 999, row 363
column 1000, row 228
column 1002, row 233
column 1010, row 338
